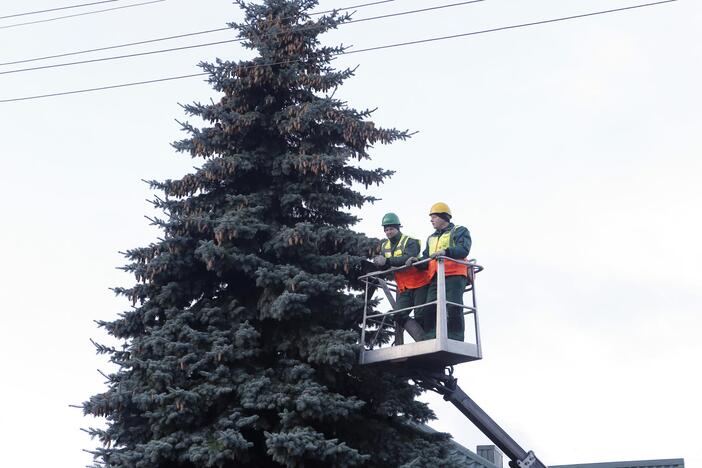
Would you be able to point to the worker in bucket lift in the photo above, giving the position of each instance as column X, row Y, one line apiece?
column 448, row 240
column 412, row 283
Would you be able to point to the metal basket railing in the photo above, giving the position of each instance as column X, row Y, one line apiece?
column 374, row 324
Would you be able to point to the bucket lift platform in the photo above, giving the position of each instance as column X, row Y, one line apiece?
column 435, row 353
column 426, row 361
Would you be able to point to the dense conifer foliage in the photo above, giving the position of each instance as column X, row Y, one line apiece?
column 240, row 348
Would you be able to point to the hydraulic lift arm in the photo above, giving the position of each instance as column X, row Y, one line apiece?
column 447, row 386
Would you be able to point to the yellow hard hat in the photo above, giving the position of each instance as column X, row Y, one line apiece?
column 440, row 207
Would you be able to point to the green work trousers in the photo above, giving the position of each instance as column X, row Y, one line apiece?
column 409, row 298
column 426, row 316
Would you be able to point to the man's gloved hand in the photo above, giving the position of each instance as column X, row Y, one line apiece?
column 379, row 260
column 411, row 260
column 438, row 253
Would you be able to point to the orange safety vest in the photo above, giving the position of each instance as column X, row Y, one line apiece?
column 442, row 242
column 410, row 278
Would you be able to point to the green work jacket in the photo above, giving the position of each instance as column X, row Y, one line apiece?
column 411, row 249
column 459, row 246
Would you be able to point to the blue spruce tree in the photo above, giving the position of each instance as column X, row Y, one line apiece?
column 240, row 348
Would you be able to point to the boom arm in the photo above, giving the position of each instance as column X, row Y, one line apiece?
column 447, row 386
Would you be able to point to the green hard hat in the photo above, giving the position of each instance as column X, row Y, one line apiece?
column 389, row 219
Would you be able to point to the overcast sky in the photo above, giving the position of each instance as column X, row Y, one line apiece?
column 570, row 150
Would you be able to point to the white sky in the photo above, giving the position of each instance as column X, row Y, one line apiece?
column 570, row 150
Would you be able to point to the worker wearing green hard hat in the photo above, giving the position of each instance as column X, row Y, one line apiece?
column 391, row 219
column 411, row 282
column 451, row 241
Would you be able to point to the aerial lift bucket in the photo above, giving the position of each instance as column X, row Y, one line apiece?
column 425, row 361
column 432, row 353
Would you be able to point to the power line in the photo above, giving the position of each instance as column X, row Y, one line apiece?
column 503, row 28
column 421, row 10
column 56, row 9
column 148, row 41
column 123, row 85
column 369, row 49
column 98, row 49
column 362, row 5
column 138, row 54
column 157, row 80
column 80, row 14
column 117, row 57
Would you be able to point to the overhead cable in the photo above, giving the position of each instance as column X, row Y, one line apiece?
column 178, row 36
column 117, row 57
column 368, row 49
column 98, row 49
column 173, row 49
column 421, row 10
column 351, row 7
column 36, row 12
column 504, row 28
column 56, row 18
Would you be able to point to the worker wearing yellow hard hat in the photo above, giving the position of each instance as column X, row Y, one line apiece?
column 452, row 241
column 411, row 282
